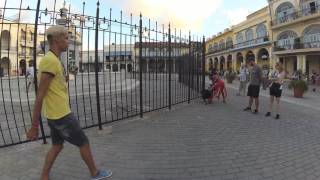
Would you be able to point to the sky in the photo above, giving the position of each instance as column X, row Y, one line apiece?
column 201, row 17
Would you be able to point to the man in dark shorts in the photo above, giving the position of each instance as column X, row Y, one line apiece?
column 53, row 97
column 254, row 86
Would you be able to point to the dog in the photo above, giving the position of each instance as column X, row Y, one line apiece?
column 206, row 94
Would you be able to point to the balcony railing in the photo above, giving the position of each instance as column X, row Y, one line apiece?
column 249, row 43
column 296, row 15
column 252, row 42
column 220, row 49
column 295, row 45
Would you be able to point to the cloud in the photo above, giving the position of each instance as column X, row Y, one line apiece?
column 182, row 14
column 237, row 16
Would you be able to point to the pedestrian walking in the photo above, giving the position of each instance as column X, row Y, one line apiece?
column 53, row 97
column 254, row 86
column 243, row 78
column 29, row 76
column 265, row 77
column 276, row 89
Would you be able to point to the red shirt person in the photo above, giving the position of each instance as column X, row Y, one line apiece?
column 218, row 89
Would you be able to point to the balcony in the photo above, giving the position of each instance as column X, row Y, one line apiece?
column 295, row 45
column 296, row 16
column 243, row 45
column 220, row 49
column 252, row 43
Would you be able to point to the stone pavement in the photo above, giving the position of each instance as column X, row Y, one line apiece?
column 191, row 142
column 310, row 99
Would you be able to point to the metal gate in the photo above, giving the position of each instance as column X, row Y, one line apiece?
column 118, row 66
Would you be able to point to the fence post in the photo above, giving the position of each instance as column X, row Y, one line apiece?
column 97, row 66
column 169, row 60
column 203, row 63
column 189, row 69
column 35, row 65
column 140, row 65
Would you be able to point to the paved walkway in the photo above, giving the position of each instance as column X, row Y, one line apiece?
column 191, row 142
column 310, row 99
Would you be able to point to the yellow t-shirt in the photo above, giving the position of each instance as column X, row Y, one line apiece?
column 56, row 101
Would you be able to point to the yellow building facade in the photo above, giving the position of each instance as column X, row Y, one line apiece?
column 17, row 46
column 296, row 34
column 286, row 30
column 249, row 39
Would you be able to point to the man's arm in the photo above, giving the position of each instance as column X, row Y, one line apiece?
column 45, row 81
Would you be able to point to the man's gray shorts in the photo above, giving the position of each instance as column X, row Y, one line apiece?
column 67, row 128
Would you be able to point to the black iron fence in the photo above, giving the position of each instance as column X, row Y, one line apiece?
column 118, row 66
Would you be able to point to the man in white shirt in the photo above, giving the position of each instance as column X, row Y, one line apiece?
column 243, row 78
column 30, row 76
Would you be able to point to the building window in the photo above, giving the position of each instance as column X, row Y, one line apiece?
column 286, row 39
column 285, row 12
column 5, row 40
column 311, row 36
column 229, row 42
column 222, row 44
column 239, row 37
column 261, row 33
column 249, row 37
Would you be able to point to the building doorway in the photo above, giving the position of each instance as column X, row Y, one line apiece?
column 5, row 67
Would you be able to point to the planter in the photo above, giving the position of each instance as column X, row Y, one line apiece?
column 298, row 92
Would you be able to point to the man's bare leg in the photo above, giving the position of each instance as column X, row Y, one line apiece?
column 50, row 158
column 256, row 100
column 87, row 157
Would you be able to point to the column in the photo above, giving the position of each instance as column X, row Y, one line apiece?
column 273, row 60
column 302, row 63
column 234, row 62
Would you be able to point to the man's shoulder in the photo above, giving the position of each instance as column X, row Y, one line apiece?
column 49, row 58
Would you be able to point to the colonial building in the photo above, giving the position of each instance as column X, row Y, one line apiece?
column 113, row 57
column 286, row 30
column 247, row 40
column 155, row 56
column 296, row 34
column 16, row 47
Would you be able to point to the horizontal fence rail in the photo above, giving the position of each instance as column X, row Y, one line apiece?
column 119, row 66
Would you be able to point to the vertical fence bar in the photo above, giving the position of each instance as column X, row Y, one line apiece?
column 189, row 59
column 169, row 62
column 97, row 67
column 140, row 65
column 35, row 65
column 203, row 62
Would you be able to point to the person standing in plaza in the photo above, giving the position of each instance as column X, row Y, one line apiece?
column 265, row 78
column 53, row 97
column 276, row 89
column 254, row 86
column 30, row 76
column 243, row 78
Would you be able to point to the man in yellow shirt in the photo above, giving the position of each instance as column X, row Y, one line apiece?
column 52, row 98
